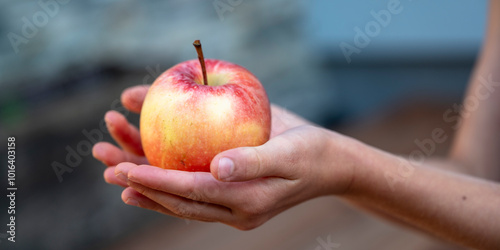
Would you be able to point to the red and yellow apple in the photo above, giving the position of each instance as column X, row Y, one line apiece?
column 185, row 123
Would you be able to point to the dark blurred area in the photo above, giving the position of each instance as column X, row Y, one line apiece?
column 63, row 64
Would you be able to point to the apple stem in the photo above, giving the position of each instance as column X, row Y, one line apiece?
column 197, row 45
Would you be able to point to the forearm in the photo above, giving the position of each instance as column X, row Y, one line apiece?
column 476, row 146
column 447, row 204
column 438, row 163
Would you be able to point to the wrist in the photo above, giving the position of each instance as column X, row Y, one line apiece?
column 341, row 166
column 353, row 168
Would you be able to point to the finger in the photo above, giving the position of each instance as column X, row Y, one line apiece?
column 275, row 158
column 198, row 186
column 282, row 120
column 183, row 207
column 122, row 169
column 247, row 199
column 124, row 133
column 131, row 197
column 133, row 97
column 110, row 177
column 111, row 155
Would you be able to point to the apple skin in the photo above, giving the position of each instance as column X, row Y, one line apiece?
column 184, row 123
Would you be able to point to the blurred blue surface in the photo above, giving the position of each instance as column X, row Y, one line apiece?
column 422, row 28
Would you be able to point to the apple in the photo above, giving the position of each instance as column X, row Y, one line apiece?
column 199, row 108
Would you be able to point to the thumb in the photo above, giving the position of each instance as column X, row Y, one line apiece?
column 274, row 158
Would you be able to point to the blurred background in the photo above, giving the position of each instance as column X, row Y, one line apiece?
column 380, row 71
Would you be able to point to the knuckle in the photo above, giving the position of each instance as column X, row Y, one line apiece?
column 144, row 192
column 253, row 209
column 292, row 151
column 193, row 196
column 181, row 209
column 194, row 192
column 256, row 162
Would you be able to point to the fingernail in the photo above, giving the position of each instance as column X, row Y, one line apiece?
column 132, row 202
column 121, row 176
column 226, row 168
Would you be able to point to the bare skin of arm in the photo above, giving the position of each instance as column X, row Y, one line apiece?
column 475, row 151
column 302, row 161
column 477, row 144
